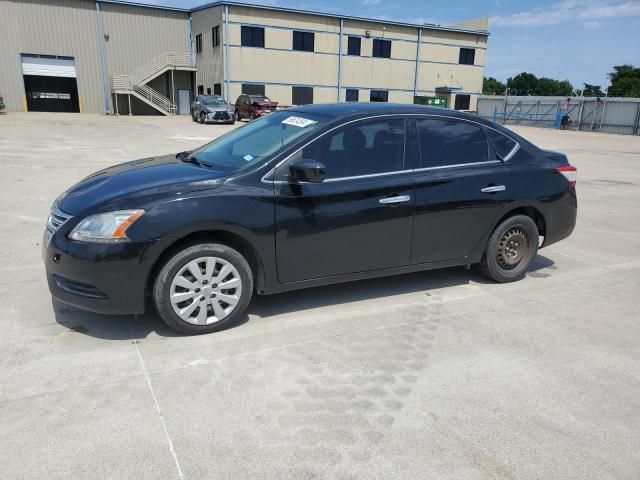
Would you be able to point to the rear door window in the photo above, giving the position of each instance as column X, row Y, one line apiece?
column 446, row 142
column 361, row 148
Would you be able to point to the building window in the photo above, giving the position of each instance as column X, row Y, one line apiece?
column 208, row 90
column 252, row 36
column 303, row 41
column 353, row 46
column 215, row 35
column 352, row 94
column 199, row 43
column 252, row 89
column 462, row 102
column 200, row 89
column 302, row 95
column 217, row 88
column 379, row 96
column 467, row 56
column 381, row 48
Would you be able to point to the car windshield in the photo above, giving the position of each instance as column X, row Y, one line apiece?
column 213, row 101
column 257, row 141
column 254, row 99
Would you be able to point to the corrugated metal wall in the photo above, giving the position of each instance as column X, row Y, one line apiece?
column 136, row 35
column 65, row 28
column 211, row 61
column 609, row 115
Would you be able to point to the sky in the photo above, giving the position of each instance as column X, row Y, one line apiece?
column 576, row 40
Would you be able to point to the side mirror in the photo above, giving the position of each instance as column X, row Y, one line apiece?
column 307, row 171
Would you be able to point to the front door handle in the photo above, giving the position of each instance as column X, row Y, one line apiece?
column 494, row 188
column 396, row 199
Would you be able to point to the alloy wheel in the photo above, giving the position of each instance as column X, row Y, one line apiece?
column 205, row 290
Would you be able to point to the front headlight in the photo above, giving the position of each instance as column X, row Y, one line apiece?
column 107, row 227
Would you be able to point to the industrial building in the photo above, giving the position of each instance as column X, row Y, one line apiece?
column 117, row 57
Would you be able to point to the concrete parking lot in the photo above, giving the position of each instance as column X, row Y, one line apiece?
column 431, row 375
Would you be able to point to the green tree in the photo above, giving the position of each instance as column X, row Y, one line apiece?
column 625, row 81
column 491, row 86
column 592, row 90
column 550, row 87
column 522, row 84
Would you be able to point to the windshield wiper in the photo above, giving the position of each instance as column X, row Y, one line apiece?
column 185, row 157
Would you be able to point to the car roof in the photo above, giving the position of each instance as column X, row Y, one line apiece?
column 378, row 108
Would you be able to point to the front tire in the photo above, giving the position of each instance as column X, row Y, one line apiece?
column 202, row 118
column 510, row 250
column 203, row 288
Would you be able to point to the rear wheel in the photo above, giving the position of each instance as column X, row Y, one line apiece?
column 203, row 288
column 238, row 116
column 510, row 250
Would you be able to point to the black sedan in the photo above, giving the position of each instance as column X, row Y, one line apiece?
column 304, row 197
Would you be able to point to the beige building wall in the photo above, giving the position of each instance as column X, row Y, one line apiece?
column 280, row 68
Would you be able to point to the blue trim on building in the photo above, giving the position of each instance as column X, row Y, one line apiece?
column 290, row 50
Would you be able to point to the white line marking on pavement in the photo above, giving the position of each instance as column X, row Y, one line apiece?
column 155, row 400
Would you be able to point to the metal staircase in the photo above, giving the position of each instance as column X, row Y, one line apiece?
column 136, row 82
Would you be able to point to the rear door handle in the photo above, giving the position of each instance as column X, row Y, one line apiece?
column 396, row 199
column 494, row 188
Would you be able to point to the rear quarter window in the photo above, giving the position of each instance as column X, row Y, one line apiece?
column 502, row 144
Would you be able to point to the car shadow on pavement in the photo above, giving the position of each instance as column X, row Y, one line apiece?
column 130, row 327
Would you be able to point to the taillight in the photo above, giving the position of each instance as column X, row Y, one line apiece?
column 570, row 173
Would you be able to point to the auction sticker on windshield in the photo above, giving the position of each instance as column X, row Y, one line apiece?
column 298, row 122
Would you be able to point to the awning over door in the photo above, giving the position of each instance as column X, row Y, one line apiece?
column 48, row 66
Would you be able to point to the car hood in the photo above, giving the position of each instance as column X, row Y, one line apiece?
column 134, row 184
column 265, row 104
column 217, row 108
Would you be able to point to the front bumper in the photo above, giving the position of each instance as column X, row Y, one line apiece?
column 219, row 117
column 102, row 278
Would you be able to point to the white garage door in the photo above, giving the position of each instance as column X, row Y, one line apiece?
column 49, row 66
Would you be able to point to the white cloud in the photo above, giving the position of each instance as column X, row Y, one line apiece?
column 369, row 2
column 586, row 12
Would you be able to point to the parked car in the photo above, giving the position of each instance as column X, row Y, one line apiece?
column 309, row 196
column 211, row 109
column 2, row 106
column 254, row 106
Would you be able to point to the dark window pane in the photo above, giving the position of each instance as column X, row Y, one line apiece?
column 353, row 46
column 462, row 102
column 302, row 95
column 217, row 88
column 199, row 43
column 501, row 143
column 352, row 95
column 362, row 148
column 200, row 89
column 450, row 142
column 252, row 36
column 215, row 35
column 379, row 96
column 381, row 48
column 303, row 41
column 208, row 90
column 252, row 89
column 467, row 56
